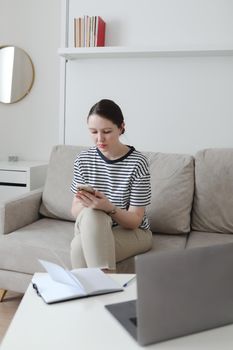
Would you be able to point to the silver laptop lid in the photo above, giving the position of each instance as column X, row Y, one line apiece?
column 184, row 292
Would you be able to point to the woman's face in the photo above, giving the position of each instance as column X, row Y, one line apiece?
column 104, row 133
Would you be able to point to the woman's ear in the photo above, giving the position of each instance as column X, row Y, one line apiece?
column 122, row 128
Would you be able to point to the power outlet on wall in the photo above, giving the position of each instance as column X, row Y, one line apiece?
column 13, row 158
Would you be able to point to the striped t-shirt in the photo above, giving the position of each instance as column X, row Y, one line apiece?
column 125, row 181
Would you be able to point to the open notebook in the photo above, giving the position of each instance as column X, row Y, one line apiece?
column 59, row 284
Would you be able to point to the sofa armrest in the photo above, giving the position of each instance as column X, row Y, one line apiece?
column 20, row 211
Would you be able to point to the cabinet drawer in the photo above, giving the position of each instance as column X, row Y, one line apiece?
column 13, row 177
column 10, row 192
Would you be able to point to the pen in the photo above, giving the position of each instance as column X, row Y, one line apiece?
column 129, row 281
column 36, row 288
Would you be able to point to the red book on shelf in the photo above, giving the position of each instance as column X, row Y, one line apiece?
column 100, row 32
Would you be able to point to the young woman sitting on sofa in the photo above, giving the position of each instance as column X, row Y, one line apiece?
column 111, row 224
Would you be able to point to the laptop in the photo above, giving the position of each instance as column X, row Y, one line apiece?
column 179, row 293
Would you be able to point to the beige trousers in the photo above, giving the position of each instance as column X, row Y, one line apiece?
column 97, row 244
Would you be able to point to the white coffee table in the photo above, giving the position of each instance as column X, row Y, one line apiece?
column 85, row 324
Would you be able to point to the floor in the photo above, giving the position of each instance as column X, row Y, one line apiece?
column 8, row 308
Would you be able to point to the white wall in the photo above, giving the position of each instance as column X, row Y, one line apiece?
column 170, row 104
column 29, row 128
column 174, row 105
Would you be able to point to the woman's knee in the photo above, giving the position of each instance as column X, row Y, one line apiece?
column 93, row 219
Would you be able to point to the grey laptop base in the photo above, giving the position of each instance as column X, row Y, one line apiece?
column 179, row 293
column 126, row 314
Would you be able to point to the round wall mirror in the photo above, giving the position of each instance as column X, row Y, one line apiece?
column 16, row 74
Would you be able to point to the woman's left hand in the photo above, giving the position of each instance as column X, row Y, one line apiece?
column 95, row 201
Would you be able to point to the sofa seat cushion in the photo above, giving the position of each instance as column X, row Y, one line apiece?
column 163, row 242
column 46, row 239
column 50, row 239
column 202, row 239
column 160, row 242
column 172, row 185
column 213, row 198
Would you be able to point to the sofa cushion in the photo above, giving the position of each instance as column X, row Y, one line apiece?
column 57, row 197
column 202, row 239
column 172, row 184
column 213, row 198
column 46, row 239
column 49, row 239
column 160, row 243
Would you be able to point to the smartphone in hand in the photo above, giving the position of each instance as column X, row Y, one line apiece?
column 87, row 188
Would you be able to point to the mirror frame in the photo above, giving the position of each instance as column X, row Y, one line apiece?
column 28, row 88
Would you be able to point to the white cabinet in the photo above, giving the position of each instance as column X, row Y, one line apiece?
column 20, row 177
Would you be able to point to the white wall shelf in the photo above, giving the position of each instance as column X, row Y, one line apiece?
column 125, row 52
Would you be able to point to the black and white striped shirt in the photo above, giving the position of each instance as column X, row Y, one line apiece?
column 125, row 181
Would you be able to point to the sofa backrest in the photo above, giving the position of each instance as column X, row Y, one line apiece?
column 213, row 199
column 172, row 181
column 172, row 185
column 57, row 197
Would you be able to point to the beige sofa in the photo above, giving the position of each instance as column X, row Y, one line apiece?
column 192, row 205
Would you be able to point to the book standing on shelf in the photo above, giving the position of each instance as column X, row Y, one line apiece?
column 89, row 31
column 100, row 32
